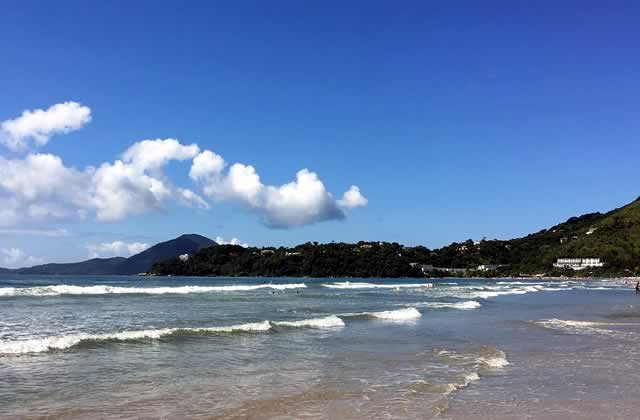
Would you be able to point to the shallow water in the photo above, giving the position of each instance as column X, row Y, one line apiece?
column 119, row 347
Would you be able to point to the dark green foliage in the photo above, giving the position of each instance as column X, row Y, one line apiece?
column 614, row 237
column 306, row 260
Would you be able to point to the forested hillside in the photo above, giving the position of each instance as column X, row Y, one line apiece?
column 614, row 237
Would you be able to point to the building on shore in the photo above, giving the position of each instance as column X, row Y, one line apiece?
column 578, row 263
column 488, row 267
column 428, row 268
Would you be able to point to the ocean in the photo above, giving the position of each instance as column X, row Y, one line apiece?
column 301, row 348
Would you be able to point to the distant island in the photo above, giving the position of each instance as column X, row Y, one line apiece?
column 595, row 244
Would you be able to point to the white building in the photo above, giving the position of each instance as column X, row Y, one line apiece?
column 488, row 267
column 578, row 263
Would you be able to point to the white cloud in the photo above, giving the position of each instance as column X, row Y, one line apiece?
column 39, row 125
column 234, row 241
column 352, row 199
column 17, row 258
column 154, row 154
column 206, row 165
column 40, row 188
column 115, row 249
column 297, row 203
column 136, row 184
column 191, row 199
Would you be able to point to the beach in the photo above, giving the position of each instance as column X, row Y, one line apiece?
column 126, row 347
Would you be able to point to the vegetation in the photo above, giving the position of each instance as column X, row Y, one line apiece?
column 614, row 237
column 310, row 259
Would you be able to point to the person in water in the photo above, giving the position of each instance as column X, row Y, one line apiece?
column 638, row 287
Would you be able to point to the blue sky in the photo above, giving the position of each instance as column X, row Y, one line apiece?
column 455, row 121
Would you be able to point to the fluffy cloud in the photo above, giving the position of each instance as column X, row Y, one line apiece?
column 136, row 184
column 39, row 125
column 39, row 187
column 234, row 241
column 353, row 198
column 206, row 165
column 17, row 258
column 300, row 202
column 154, row 154
column 115, row 249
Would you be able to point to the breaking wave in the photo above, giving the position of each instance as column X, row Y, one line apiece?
column 582, row 327
column 486, row 358
column 330, row 321
column 362, row 285
column 406, row 314
column 469, row 304
column 463, row 381
column 64, row 342
column 40, row 345
column 64, row 289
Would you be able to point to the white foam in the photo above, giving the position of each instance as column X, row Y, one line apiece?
column 40, row 345
column 582, row 327
column 495, row 362
column 106, row 290
column 397, row 315
column 362, row 285
column 330, row 321
column 488, row 358
column 469, row 304
column 495, row 291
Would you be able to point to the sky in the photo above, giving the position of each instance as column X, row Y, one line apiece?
column 123, row 124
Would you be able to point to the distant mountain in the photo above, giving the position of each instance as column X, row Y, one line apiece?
column 94, row 266
column 185, row 244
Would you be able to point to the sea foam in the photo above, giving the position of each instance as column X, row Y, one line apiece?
column 40, row 345
column 469, row 304
column 584, row 328
column 330, row 321
column 397, row 315
column 362, row 285
column 64, row 289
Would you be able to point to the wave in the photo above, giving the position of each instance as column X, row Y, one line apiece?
column 469, row 304
column 525, row 283
column 491, row 292
column 406, row 314
column 40, row 345
column 486, row 358
column 362, row 285
column 582, row 327
column 330, row 321
column 64, row 289
column 463, row 381
column 491, row 358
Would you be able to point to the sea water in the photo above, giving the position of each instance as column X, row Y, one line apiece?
column 119, row 347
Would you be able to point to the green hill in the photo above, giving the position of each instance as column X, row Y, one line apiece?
column 614, row 237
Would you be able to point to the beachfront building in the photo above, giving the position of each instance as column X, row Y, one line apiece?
column 578, row 263
column 428, row 268
column 488, row 267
